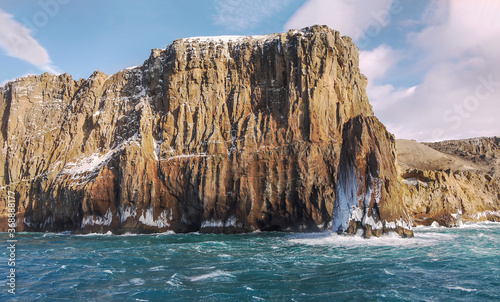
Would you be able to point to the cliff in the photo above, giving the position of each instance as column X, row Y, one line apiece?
column 456, row 185
column 221, row 134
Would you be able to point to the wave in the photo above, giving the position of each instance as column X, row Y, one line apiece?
column 157, row 268
column 212, row 276
column 465, row 225
column 137, row 281
column 108, row 233
column 391, row 239
column 461, row 288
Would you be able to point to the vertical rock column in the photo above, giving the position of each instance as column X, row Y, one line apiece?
column 368, row 197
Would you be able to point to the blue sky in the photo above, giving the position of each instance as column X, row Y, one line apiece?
column 433, row 66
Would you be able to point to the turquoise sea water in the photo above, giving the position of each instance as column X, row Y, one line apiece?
column 439, row 264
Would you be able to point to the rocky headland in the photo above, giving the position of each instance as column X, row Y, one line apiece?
column 226, row 135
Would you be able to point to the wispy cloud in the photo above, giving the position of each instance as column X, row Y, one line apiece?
column 17, row 42
column 246, row 14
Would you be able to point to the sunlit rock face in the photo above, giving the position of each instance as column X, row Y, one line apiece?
column 220, row 134
column 451, row 182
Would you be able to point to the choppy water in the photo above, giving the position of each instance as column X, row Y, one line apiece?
column 439, row 264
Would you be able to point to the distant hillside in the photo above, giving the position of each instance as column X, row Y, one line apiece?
column 482, row 151
column 451, row 181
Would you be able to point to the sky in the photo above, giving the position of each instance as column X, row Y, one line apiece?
column 433, row 66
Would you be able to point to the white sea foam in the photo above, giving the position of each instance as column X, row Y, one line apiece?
column 213, row 275
column 95, row 234
column 462, row 288
column 174, row 281
column 388, row 272
column 169, row 232
column 157, row 268
column 137, row 281
column 391, row 239
column 466, row 225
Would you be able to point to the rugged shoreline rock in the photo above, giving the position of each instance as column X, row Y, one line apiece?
column 222, row 134
column 451, row 187
column 368, row 190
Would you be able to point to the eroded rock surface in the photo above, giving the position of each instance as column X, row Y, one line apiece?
column 369, row 193
column 453, row 187
column 222, row 134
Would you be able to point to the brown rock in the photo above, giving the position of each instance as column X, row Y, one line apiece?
column 449, row 188
column 368, row 193
column 208, row 135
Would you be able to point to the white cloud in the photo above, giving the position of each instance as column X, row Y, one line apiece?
column 458, row 97
column 353, row 18
column 456, row 54
column 17, row 42
column 375, row 63
column 467, row 25
column 455, row 100
column 238, row 14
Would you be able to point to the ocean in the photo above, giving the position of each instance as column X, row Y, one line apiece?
column 438, row 264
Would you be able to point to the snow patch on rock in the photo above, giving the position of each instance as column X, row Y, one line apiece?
column 147, row 218
column 390, row 225
column 88, row 167
column 128, row 212
column 346, row 206
column 227, row 39
column 413, row 182
column 98, row 220
column 217, row 223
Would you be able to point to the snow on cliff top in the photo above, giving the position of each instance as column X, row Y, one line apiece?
column 226, row 39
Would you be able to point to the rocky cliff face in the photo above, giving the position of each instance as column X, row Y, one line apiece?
column 223, row 134
column 369, row 193
column 457, row 185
